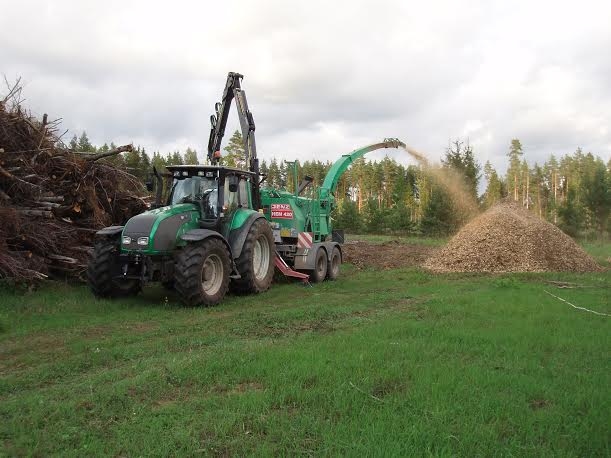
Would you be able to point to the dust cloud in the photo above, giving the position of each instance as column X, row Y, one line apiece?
column 451, row 181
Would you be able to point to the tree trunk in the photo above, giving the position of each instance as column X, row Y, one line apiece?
column 515, row 187
column 527, row 190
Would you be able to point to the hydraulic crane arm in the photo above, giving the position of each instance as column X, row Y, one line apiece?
column 233, row 90
column 341, row 165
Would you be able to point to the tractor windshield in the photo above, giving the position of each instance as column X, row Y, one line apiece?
column 196, row 189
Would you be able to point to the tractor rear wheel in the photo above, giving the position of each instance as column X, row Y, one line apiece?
column 201, row 276
column 101, row 270
column 320, row 266
column 256, row 261
column 334, row 263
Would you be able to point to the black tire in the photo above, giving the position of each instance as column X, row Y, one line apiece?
column 195, row 262
column 320, row 266
column 334, row 262
column 100, row 272
column 256, row 261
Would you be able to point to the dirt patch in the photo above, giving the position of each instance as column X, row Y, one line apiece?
column 388, row 255
column 536, row 404
column 104, row 331
column 387, row 387
column 21, row 354
column 240, row 388
column 509, row 238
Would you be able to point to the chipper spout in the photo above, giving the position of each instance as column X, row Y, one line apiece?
column 338, row 169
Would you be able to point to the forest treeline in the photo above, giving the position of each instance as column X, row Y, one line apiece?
column 572, row 191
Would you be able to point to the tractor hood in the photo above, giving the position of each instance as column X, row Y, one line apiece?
column 157, row 230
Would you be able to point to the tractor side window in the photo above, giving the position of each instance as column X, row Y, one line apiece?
column 231, row 198
column 244, row 193
column 210, row 203
column 180, row 191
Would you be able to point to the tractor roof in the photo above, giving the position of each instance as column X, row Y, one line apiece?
column 193, row 169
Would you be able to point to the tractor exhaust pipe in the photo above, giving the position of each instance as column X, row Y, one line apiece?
column 158, row 186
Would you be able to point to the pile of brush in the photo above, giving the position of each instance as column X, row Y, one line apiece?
column 52, row 199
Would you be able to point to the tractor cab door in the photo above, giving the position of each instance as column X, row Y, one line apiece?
column 236, row 193
column 236, row 197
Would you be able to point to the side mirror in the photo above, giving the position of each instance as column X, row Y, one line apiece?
column 233, row 183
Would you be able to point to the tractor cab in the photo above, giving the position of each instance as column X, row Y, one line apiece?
column 217, row 191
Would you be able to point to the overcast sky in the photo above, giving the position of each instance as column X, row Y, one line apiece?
column 322, row 77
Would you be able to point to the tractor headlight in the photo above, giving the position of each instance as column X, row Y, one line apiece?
column 143, row 240
column 127, row 240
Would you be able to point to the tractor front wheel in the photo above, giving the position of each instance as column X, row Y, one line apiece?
column 201, row 275
column 320, row 266
column 256, row 261
column 101, row 272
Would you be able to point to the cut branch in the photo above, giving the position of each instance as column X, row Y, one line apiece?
column 114, row 152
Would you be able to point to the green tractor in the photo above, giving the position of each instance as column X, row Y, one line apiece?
column 206, row 236
column 219, row 230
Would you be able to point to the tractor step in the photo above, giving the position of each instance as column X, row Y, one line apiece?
column 288, row 272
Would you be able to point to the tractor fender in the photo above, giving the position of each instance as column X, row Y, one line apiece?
column 109, row 232
column 197, row 235
column 305, row 258
column 237, row 237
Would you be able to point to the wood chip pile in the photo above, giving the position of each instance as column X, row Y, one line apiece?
column 53, row 200
column 509, row 238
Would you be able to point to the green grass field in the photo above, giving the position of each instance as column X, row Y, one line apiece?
column 391, row 363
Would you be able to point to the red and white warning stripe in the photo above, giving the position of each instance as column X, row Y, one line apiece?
column 304, row 240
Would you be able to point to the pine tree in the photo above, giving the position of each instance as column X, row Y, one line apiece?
column 514, row 181
column 73, row 145
column 273, row 174
column 144, row 166
column 460, row 158
column 525, row 180
column 175, row 158
column 493, row 188
column 570, row 214
column 551, row 178
column 190, row 157
column 264, row 170
column 373, row 216
column 235, row 153
column 84, row 144
column 596, row 187
column 348, row 217
column 398, row 219
column 133, row 161
column 538, row 190
column 437, row 219
column 158, row 161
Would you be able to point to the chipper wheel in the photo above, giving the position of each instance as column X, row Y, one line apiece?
column 334, row 263
column 201, row 275
column 256, row 261
column 101, row 270
column 320, row 266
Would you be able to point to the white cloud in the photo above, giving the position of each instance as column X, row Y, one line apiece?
column 322, row 77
